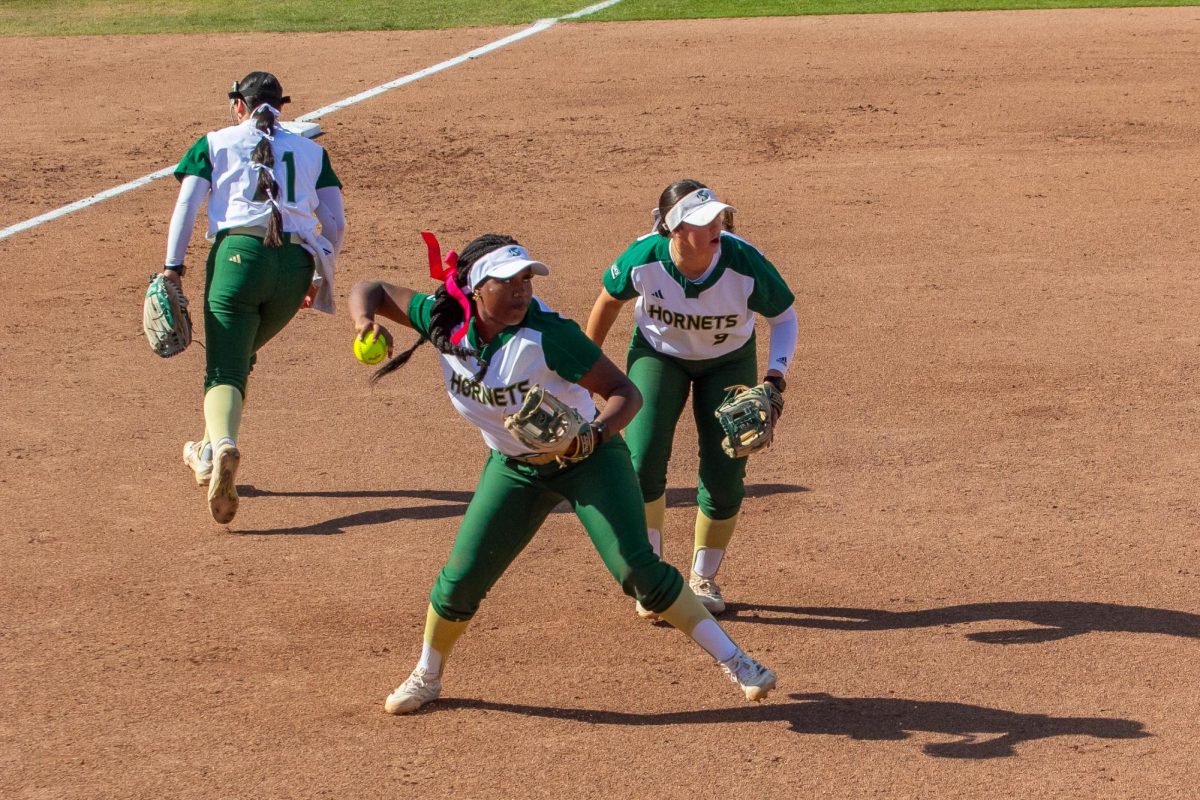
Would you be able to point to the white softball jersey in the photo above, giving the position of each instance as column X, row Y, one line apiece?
column 696, row 320
column 545, row 349
column 225, row 159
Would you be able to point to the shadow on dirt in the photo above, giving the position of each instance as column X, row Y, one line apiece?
column 457, row 501
column 1055, row 619
column 981, row 732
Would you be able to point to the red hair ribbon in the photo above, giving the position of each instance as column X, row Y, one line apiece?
column 447, row 273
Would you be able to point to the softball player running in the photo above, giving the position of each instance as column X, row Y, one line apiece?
column 513, row 342
column 698, row 288
column 276, row 219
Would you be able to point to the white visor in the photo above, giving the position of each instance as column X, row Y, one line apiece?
column 698, row 208
column 503, row 263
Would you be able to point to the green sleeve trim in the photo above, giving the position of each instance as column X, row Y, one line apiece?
column 419, row 309
column 617, row 283
column 771, row 295
column 196, row 161
column 567, row 350
column 327, row 178
column 618, row 278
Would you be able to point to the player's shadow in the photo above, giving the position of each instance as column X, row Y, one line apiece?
column 978, row 731
column 452, row 504
column 1053, row 619
column 449, row 504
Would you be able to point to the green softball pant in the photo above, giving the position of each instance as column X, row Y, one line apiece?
column 251, row 292
column 665, row 383
column 512, row 501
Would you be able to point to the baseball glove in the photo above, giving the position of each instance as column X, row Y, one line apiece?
column 549, row 427
column 748, row 418
column 165, row 318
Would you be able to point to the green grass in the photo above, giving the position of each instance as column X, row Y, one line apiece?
column 702, row 9
column 74, row 17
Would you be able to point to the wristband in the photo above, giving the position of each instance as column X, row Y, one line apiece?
column 778, row 382
column 600, row 431
column 177, row 268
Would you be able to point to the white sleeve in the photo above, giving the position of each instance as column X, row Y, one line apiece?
column 332, row 214
column 192, row 191
column 785, row 330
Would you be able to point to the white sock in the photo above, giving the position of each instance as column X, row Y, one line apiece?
column 715, row 641
column 655, row 537
column 431, row 660
column 707, row 561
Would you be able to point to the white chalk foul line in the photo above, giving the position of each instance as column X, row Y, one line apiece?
column 535, row 28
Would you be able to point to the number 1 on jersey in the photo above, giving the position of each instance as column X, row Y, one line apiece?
column 289, row 158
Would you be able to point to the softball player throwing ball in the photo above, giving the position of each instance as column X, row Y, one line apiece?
column 698, row 288
column 276, row 219
column 497, row 342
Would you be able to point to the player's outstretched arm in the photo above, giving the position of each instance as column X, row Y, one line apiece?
column 369, row 299
column 604, row 314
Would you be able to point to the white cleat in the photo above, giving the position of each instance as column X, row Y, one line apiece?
column 755, row 680
column 222, row 489
column 193, row 456
column 419, row 689
column 708, row 593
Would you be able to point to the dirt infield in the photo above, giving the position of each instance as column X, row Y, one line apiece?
column 972, row 555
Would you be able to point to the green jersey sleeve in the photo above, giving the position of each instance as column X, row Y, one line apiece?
column 419, row 309
column 196, row 161
column 327, row 178
column 771, row 296
column 567, row 350
column 617, row 283
column 617, row 278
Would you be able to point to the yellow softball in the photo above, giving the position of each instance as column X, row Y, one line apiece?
column 371, row 350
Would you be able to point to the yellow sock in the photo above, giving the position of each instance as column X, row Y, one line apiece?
column 440, row 636
column 656, row 513
column 712, row 539
column 689, row 616
column 686, row 612
column 222, row 413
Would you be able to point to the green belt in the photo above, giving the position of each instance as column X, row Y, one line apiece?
column 261, row 233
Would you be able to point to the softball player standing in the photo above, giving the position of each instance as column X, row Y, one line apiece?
column 513, row 342
column 698, row 288
column 276, row 220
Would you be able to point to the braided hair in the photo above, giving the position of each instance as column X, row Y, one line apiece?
column 268, row 187
column 447, row 314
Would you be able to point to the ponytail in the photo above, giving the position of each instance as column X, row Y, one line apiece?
column 268, row 188
column 447, row 314
column 444, row 317
column 397, row 361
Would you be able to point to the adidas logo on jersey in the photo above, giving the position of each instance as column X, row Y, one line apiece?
column 236, row 258
column 658, row 293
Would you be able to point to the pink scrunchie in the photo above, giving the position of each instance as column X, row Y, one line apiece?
column 447, row 273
